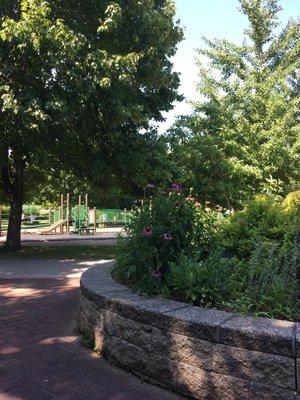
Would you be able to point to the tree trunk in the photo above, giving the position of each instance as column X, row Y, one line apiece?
column 13, row 238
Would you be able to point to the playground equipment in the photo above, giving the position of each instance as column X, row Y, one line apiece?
column 54, row 227
column 65, row 219
column 108, row 216
column 83, row 219
column 59, row 219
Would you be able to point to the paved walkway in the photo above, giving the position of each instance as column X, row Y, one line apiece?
column 40, row 353
column 104, row 237
column 45, row 268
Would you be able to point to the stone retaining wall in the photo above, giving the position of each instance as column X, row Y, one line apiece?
column 203, row 353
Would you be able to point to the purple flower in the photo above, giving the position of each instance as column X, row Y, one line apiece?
column 150, row 186
column 168, row 236
column 147, row 232
column 156, row 274
column 176, row 188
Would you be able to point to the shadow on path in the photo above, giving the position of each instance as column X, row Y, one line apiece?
column 43, row 268
column 40, row 354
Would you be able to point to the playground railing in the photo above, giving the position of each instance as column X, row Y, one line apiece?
column 57, row 214
column 113, row 216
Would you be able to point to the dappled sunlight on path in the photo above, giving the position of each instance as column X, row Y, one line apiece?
column 67, row 268
column 40, row 352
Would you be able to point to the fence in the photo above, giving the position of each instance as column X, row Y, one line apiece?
column 113, row 216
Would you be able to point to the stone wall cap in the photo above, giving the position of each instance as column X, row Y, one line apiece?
column 298, row 339
column 97, row 273
column 261, row 334
column 202, row 323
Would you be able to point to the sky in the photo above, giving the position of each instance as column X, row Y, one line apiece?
column 214, row 19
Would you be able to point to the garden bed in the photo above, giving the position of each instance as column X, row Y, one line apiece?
column 200, row 352
column 247, row 262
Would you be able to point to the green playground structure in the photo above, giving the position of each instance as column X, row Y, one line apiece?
column 81, row 219
column 107, row 216
column 77, row 219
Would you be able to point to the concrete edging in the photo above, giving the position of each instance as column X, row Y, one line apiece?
column 202, row 353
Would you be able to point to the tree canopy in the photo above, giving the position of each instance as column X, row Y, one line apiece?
column 244, row 137
column 78, row 82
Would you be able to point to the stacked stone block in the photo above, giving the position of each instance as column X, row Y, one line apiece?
column 203, row 353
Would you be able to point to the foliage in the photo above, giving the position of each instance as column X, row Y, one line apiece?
column 28, row 209
column 292, row 202
column 207, row 224
column 77, row 85
column 263, row 285
column 291, row 208
column 159, row 234
column 247, row 262
column 265, row 218
column 244, row 136
column 237, row 144
column 202, row 282
column 261, row 218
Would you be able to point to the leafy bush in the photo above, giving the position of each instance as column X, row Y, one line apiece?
column 247, row 262
column 292, row 203
column 268, row 284
column 205, row 230
column 28, row 209
column 263, row 285
column 167, row 227
column 263, row 218
column 291, row 210
column 204, row 282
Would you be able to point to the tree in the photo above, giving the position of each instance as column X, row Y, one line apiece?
column 244, row 137
column 116, row 189
column 78, row 82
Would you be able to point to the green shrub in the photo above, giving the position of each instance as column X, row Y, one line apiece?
column 267, row 284
column 168, row 226
column 247, row 262
column 292, row 202
column 263, row 218
column 204, row 282
column 291, row 211
column 27, row 209
column 263, row 285
column 205, row 230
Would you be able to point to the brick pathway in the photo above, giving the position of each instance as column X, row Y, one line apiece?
column 40, row 355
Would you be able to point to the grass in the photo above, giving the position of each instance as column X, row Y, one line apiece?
column 61, row 251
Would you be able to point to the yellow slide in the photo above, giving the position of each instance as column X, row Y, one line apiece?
column 53, row 227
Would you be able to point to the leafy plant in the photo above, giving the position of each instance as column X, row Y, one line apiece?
column 267, row 284
column 264, row 285
column 168, row 227
column 263, row 217
column 201, row 282
column 247, row 262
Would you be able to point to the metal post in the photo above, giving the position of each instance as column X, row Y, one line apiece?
column 78, row 212
column 61, row 213
column 68, row 213
column 87, row 211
